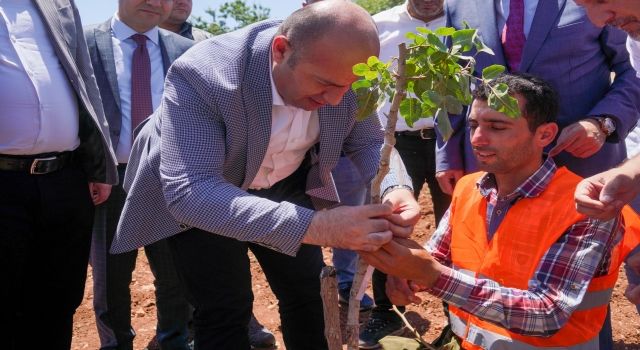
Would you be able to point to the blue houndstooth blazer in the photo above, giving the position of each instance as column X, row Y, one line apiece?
column 215, row 122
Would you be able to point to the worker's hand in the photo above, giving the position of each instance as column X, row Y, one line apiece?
column 406, row 212
column 447, row 180
column 99, row 192
column 362, row 228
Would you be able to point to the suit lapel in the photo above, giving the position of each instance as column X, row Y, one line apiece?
column 104, row 43
column 546, row 16
column 257, row 101
column 168, row 49
column 487, row 24
column 50, row 17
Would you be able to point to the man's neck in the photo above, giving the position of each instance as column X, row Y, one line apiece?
column 509, row 182
column 171, row 27
column 425, row 19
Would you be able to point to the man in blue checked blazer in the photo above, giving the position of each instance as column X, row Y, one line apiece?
column 240, row 151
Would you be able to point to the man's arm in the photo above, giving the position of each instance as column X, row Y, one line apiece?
column 621, row 103
column 192, row 158
column 450, row 154
column 561, row 280
column 603, row 195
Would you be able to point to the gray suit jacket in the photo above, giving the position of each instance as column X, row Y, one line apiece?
column 101, row 51
column 576, row 58
column 215, row 122
column 63, row 24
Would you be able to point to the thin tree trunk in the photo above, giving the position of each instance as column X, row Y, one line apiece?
column 353, row 322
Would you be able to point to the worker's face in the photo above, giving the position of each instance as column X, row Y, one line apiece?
column 181, row 11
column 502, row 145
column 319, row 75
column 425, row 10
column 142, row 15
column 623, row 14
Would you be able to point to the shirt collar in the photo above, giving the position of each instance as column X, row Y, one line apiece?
column 122, row 31
column 185, row 28
column 531, row 187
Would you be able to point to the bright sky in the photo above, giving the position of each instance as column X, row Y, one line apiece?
column 97, row 11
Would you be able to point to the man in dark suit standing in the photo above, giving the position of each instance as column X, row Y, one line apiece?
column 56, row 162
column 177, row 22
column 131, row 55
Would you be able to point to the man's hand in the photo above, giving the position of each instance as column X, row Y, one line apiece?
column 99, row 192
column 633, row 291
column 582, row 139
column 406, row 259
column 356, row 228
column 603, row 195
column 400, row 292
column 447, row 180
column 406, row 212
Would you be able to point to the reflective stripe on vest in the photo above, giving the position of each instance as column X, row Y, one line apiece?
column 492, row 341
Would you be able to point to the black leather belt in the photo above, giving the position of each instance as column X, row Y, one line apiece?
column 425, row 134
column 36, row 164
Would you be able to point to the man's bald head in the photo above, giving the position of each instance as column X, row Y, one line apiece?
column 315, row 49
column 342, row 23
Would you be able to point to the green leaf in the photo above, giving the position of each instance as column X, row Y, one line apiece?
column 424, row 30
column 367, row 103
column 410, row 110
column 372, row 61
column 436, row 42
column 500, row 100
column 410, row 69
column 453, row 104
column 445, row 31
column 371, row 75
column 360, row 69
column 444, row 124
column 492, row 71
column 359, row 84
column 421, row 85
column 433, row 96
column 391, row 342
column 464, row 38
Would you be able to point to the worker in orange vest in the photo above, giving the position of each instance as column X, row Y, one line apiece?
column 518, row 265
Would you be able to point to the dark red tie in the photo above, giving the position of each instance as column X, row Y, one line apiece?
column 141, row 105
column 513, row 38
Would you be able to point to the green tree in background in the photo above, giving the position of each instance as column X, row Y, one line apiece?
column 238, row 11
column 375, row 6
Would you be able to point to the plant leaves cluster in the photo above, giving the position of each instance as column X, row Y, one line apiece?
column 439, row 76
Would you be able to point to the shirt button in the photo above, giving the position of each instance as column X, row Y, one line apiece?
column 499, row 212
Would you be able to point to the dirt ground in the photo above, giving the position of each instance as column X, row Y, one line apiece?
column 427, row 317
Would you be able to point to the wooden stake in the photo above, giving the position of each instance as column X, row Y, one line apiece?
column 329, row 293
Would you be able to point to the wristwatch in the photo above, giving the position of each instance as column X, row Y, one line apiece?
column 606, row 123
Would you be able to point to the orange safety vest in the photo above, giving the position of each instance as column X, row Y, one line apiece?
column 511, row 258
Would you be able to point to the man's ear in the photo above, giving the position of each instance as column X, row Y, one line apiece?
column 280, row 48
column 546, row 133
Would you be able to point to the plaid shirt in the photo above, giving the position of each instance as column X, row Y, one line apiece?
column 560, row 281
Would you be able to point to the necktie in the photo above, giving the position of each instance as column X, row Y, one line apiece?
column 141, row 105
column 513, row 38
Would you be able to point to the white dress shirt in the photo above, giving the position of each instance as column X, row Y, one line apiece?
column 633, row 46
column 393, row 24
column 123, row 47
column 293, row 132
column 38, row 106
column 502, row 11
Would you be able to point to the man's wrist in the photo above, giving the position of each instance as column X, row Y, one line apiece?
column 605, row 123
column 394, row 188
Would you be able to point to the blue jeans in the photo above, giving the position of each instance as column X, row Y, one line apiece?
column 352, row 191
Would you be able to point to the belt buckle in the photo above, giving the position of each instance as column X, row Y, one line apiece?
column 422, row 134
column 34, row 165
